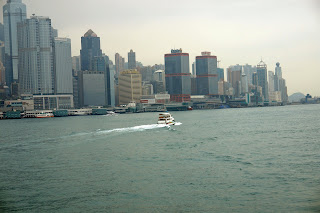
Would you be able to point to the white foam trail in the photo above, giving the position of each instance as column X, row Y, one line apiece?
column 133, row 129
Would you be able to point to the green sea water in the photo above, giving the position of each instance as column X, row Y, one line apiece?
column 232, row 160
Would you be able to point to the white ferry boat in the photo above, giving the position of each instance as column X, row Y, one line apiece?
column 44, row 115
column 166, row 118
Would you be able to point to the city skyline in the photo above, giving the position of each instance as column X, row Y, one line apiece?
column 236, row 32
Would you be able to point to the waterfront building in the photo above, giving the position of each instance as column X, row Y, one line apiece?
column 36, row 56
column 63, row 66
column 159, row 83
column 178, row 77
column 194, row 70
column 14, row 12
column 92, row 88
column 130, row 89
column 132, row 64
column 262, row 79
column 207, row 74
column 51, row 102
column 90, row 47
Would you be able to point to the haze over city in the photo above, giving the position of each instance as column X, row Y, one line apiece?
column 238, row 32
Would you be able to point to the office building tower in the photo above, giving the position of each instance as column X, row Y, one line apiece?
column 207, row 74
column 119, row 63
column 244, row 84
column 248, row 70
column 14, row 12
column 63, row 66
column 262, row 79
column 92, row 86
column 132, row 64
column 178, row 77
column 271, row 80
column 220, row 74
column 278, row 77
column 2, row 74
column 36, row 56
column 278, row 70
column 130, row 87
column 234, row 78
column 76, row 63
column 1, row 32
column 194, row 70
column 2, row 63
column 90, row 47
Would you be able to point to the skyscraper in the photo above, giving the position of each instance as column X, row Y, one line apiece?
column 36, row 56
column 132, row 64
column 13, row 13
column 207, row 74
column 234, row 78
column 178, row 77
column 119, row 63
column 262, row 79
column 63, row 66
column 90, row 47
column 1, row 32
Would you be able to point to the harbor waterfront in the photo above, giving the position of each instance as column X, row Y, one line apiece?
column 233, row 160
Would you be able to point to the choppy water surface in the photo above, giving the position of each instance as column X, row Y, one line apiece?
column 233, row 160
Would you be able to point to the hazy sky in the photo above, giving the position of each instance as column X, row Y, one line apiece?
column 237, row 31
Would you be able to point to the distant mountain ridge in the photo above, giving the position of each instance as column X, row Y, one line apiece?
column 296, row 97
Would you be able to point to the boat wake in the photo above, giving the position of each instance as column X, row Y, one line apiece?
column 137, row 128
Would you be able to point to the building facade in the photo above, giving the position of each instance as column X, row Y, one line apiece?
column 132, row 63
column 90, row 47
column 178, row 77
column 92, row 86
column 263, row 79
column 130, row 87
column 36, row 56
column 14, row 12
column 207, row 74
column 63, row 66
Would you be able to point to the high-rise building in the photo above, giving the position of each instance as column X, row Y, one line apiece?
column 271, row 81
column 178, row 77
column 76, row 63
column 92, row 86
column 262, row 79
column 36, row 56
column 207, row 74
column 130, row 87
column 234, row 78
column 2, row 63
column 220, row 74
column 119, row 63
column 90, row 47
column 244, row 84
column 63, row 66
column 1, row 32
column 14, row 12
column 132, row 64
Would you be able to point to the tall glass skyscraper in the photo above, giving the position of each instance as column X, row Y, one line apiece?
column 63, row 66
column 13, row 13
column 90, row 47
column 207, row 74
column 36, row 56
column 178, row 76
column 263, row 79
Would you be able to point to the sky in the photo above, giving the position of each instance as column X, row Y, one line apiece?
column 236, row 31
